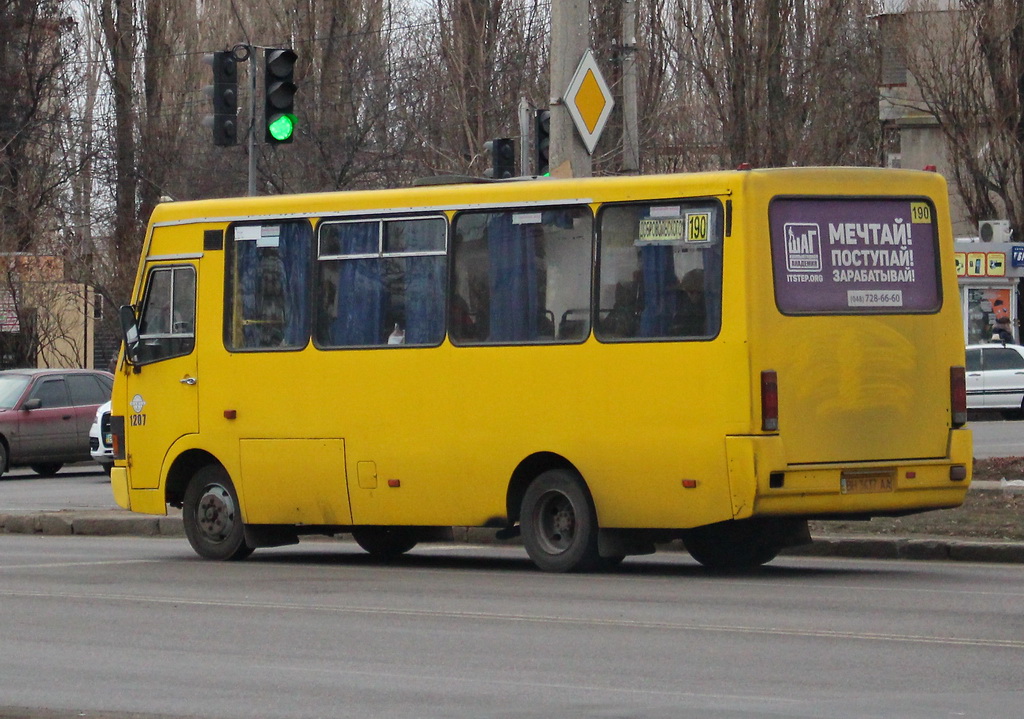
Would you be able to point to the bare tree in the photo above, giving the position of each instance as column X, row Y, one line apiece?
column 968, row 65
column 781, row 81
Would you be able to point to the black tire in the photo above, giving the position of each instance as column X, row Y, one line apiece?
column 607, row 564
column 212, row 516
column 3, row 459
column 734, row 544
column 46, row 469
column 384, row 542
column 559, row 524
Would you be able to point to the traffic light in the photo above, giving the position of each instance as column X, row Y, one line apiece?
column 542, row 128
column 503, row 158
column 279, row 95
column 224, row 93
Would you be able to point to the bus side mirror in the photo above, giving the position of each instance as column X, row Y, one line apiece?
column 129, row 333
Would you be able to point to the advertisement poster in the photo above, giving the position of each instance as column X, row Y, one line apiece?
column 865, row 256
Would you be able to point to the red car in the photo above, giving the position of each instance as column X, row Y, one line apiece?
column 45, row 415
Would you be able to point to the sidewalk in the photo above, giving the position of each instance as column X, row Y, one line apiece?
column 119, row 522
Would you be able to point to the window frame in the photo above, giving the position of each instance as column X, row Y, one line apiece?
column 720, row 241
column 230, row 278
column 381, row 220
column 170, row 335
column 528, row 208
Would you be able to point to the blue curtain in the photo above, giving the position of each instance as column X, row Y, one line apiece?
column 294, row 253
column 362, row 296
column 424, row 300
column 274, row 287
column 515, row 305
column 659, row 281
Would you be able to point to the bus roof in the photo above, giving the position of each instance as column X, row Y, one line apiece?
column 816, row 180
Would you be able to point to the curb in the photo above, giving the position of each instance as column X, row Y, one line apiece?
column 91, row 523
column 108, row 523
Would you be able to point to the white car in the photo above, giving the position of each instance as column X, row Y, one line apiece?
column 995, row 378
column 100, row 439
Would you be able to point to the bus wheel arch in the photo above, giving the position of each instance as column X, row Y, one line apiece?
column 184, row 468
column 528, row 470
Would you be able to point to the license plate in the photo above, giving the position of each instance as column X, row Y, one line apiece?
column 867, row 482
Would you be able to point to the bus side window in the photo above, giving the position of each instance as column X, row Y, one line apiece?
column 661, row 271
column 168, row 318
column 381, row 282
column 267, row 302
column 521, row 276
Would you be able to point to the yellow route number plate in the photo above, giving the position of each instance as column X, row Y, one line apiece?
column 867, row 482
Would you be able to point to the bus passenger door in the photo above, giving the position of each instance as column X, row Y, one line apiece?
column 162, row 399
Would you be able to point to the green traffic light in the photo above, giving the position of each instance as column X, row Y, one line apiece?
column 281, row 127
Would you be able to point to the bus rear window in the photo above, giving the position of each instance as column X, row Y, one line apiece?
column 854, row 256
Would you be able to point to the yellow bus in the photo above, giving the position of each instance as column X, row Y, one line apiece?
column 595, row 365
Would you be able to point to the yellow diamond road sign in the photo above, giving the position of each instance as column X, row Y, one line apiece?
column 589, row 101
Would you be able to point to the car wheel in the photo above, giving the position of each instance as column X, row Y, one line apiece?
column 559, row 523
column 211, row 516
column 384, row 542
column 3, row 459
column 46, row 469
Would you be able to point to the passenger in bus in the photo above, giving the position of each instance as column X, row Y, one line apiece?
column 689, row 320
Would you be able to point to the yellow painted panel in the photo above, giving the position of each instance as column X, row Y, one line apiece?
column 294, row 481
column 119, row 486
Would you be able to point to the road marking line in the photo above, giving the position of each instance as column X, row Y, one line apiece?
column 526, row 618
column 62, row 565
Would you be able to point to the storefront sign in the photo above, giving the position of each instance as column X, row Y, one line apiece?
column 1017, row 256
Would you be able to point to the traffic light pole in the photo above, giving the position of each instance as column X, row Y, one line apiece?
column 252, row 122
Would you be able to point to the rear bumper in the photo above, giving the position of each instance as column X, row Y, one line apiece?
column 763, row 484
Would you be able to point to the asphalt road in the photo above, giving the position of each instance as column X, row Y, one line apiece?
column 995, row 437
column 91, row 626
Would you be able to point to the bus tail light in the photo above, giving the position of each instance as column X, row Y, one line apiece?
column 769, row 401
column 958, row 395
column 117, row 436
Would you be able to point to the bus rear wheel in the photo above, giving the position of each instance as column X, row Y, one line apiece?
column 212, row 518
column 384, row 542
column 737, row 544
column 559, row 524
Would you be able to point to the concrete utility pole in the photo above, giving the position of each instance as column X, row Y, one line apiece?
column 570, row 38
column 630, row 124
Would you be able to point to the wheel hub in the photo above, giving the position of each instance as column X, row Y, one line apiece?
column 215, row 513
column 557, row 522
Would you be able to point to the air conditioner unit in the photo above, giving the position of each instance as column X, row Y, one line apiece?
column 994, row 230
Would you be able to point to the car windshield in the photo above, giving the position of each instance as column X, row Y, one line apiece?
column 11, row 387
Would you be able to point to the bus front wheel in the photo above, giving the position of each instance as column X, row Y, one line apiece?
column 212, row 518
column 559, row 524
